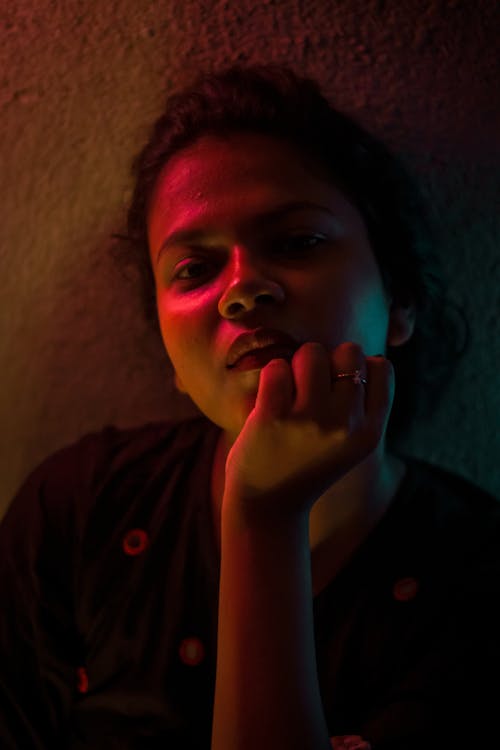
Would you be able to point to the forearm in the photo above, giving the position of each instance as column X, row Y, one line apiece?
column 267, row 693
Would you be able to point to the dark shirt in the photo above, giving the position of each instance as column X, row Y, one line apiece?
column 109, row 575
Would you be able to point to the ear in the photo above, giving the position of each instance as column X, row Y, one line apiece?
column 178, row 384
column 402, row 317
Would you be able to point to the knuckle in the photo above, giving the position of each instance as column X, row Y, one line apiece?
column 383, row 367
column 377, row 361
column 310, row 348
column 313, row 346
column 350, row 346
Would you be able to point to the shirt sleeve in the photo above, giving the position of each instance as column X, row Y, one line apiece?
column 39, row 647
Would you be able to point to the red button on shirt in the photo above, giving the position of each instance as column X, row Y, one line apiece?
column 191, row 651
column 405, row 589
column 135, row 542
column 82, row 680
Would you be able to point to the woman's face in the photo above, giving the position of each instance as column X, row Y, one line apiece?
column 243, row 269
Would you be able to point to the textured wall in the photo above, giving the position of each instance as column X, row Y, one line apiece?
column 82, row 82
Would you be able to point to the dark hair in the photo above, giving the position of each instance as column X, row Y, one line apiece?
column 274, row 100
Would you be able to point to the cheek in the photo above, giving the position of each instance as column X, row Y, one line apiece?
column 368, row 319
column 184, row 317
column 175, row 332
column 344, row 307
column 322, row 299
column 184, row 339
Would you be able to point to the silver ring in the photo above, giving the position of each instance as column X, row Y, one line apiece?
column 354, row 376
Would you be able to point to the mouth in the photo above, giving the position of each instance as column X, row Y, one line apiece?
column 258, row 358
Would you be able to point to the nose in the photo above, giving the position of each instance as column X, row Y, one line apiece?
column 249, row 285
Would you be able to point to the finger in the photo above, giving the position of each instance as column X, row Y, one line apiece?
column 312, row 374
column 379, row 395
column 337, row 743
column 352, row 740
column 355, row 742
column 349, row 742
column 276, row 390
column 349, row 397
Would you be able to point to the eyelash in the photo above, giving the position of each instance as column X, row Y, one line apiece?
column 293, row 238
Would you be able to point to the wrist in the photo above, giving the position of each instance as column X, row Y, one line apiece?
column 240, row 514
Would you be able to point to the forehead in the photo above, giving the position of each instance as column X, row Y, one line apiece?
column 238, row 175
column 249, row 153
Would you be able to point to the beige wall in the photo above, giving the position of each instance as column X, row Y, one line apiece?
column 81, row 84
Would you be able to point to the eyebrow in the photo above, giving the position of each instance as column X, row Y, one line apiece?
column 192, row 235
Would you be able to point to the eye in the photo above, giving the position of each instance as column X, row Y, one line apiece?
column 187, row 267
column 302, row 242
column 291, row 245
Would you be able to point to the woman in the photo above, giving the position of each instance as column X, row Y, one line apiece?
column 273, row 573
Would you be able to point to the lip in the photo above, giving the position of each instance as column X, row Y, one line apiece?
column 258, row 358
column 258, row 339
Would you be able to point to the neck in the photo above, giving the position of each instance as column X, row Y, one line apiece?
column 349, row 510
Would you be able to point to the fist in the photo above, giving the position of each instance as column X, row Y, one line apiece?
column 307, row 429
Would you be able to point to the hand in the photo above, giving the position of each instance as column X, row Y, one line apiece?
column 306, row 430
